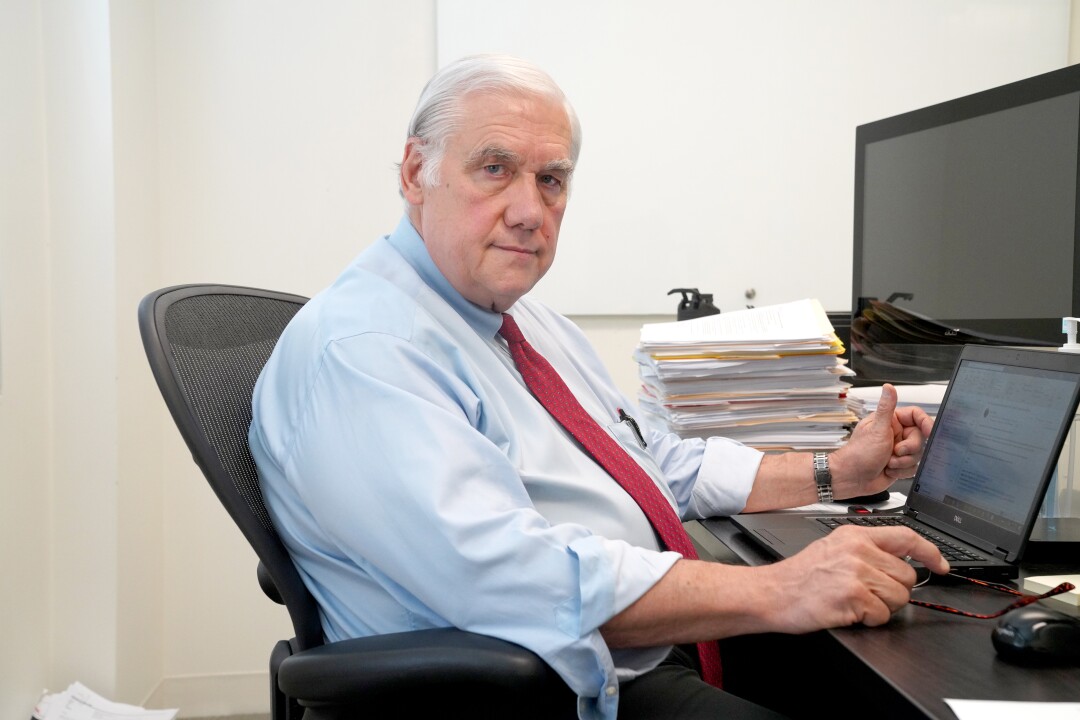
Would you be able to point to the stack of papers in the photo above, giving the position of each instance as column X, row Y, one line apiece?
column 79, row 702
column 770, row 377
column 899, row 343
column 928, row 397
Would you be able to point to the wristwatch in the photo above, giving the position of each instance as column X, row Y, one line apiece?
column 823, row 477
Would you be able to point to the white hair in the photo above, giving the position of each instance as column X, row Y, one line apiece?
column 438, row 111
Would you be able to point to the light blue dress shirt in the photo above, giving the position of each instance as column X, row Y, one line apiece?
column 418, row 484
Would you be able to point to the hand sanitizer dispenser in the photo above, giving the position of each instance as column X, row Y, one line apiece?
column 695, row 304
column 1068, row 326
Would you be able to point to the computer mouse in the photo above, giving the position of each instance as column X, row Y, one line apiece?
column 1035, row 635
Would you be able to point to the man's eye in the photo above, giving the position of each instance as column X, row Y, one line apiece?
column 494, row 169
column 550, row 180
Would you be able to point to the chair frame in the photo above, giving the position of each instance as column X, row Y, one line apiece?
column 311, row 679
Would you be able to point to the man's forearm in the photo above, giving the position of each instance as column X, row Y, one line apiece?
column 853, row 575
column 694, row 601
column 783, row 481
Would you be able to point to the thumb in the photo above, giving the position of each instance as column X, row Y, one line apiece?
column 887, row 402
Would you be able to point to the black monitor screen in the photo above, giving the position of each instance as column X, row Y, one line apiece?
column 966, row 227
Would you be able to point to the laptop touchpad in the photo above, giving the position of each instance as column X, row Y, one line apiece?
column 800, row 537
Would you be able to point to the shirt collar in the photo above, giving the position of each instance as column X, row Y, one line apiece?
column 407, row 241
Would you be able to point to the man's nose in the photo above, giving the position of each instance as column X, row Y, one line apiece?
column 526, row 207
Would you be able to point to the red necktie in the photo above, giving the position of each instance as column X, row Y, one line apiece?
column 545, row 384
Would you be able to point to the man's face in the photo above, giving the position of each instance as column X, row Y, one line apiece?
column 491, row 223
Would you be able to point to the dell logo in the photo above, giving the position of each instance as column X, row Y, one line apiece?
column 957, row 519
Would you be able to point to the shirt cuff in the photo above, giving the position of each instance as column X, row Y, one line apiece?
column 727, row 473
column 612, row 574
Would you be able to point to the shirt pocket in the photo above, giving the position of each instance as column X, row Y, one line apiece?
column 628, row 440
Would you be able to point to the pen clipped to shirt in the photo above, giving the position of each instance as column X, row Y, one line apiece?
column 623, row 417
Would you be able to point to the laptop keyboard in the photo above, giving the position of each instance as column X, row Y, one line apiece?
column 949, row 550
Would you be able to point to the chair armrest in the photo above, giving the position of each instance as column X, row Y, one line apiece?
column 421, row 661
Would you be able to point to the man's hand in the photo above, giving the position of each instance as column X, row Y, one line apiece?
column 853, row 575
column 886, row 445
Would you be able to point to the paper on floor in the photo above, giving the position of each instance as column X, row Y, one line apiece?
column 80, row 703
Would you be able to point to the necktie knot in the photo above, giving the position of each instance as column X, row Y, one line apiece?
column 510, row 330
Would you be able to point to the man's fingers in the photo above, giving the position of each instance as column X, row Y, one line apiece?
column 926, row 423
column 913, row 438
column 900, row 473
column 901, row 463
column 911, row 442
column 905, row 543
column 913, row 417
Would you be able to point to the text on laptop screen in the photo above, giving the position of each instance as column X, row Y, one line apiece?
column 989, row 435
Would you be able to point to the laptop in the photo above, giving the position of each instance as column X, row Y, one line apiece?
column 993, row 451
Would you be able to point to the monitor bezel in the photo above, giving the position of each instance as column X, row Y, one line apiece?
column 1012, row 95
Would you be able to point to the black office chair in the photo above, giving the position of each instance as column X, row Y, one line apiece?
column 207, row 345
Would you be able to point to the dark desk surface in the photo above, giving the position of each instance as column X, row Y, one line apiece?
column 903, row 669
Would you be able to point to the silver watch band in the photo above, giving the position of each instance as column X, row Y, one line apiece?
column 823, row 477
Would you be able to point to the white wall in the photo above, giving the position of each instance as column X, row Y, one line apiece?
column 279, row 124
column 82, row 292
column 139, row 541
column 74, row 562
column 142, row 146
column 724, row 132
column 146, row 143
column 25, row 349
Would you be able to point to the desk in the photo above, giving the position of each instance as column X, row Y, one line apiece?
column 903, row 669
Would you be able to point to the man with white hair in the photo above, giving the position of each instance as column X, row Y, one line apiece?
column 436, row 449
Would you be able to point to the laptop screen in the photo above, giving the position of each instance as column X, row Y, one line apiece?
column 996, row 437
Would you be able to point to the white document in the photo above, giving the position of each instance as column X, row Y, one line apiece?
column 1046, row 583
column 928, row 396
column 1012, row 709
column 803, row 320
column 896, row 500
column 80, row 703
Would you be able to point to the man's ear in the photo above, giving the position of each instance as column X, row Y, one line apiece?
column 411, row 187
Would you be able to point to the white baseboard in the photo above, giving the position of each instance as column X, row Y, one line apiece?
column 212, row 695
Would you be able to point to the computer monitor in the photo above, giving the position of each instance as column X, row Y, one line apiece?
column 966, row 227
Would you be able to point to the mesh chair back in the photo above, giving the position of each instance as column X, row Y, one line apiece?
column 207, row 345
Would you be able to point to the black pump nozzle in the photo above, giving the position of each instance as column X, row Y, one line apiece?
column 694, row 304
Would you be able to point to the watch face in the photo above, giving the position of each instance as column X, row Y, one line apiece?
column 821, row 468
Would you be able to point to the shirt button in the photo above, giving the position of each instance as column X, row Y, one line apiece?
column 611, row 690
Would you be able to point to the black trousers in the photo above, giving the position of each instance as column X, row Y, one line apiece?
column 674, row 689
